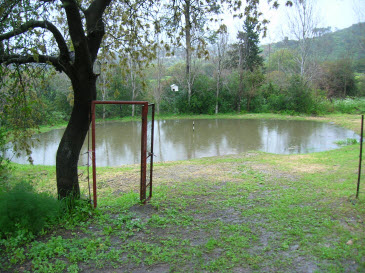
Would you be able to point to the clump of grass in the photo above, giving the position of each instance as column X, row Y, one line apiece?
column 346, row 142
column 21, row 208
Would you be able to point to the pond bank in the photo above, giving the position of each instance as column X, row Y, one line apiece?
column 346, row 120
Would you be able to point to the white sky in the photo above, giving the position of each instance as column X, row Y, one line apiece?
column 338, row 14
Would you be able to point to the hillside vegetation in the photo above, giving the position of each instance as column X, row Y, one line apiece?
column 331, row 45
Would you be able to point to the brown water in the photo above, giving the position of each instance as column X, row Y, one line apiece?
column 118, row 143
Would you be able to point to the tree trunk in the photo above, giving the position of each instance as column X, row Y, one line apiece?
column 240, row 84
column 248, row 102
column 218, row 86
column 159, row 86
column 73, row 138
column 240, row 91
column 188, row 48
column 134, row 85
column 103, row 93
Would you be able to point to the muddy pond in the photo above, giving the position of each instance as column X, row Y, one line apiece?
column 118, row 143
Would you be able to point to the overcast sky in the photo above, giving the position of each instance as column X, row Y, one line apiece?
column 338, row 14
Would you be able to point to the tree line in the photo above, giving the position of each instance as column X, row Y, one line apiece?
column 236, row 77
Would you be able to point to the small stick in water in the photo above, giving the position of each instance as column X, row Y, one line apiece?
column 193, row 125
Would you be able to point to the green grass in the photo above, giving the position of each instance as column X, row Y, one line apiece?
column 254, row 212
column 348, row 141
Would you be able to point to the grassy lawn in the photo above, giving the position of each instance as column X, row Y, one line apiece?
column 253, row 212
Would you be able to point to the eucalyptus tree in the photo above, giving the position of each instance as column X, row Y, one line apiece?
column 220, row 47
column 188, row 18
column 303, row 22
column 67, row 35
column 107, row 68
column 159, row 71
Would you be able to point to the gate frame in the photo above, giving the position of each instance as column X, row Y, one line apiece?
column 144, row 156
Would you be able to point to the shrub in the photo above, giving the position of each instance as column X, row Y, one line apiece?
column 22, row 208
column 297, row 98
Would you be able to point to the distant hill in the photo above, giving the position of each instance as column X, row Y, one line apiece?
column 330, row 46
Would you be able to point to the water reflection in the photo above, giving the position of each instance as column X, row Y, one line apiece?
column 118, row 143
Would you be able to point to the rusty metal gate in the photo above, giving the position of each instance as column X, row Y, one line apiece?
column 146, row 150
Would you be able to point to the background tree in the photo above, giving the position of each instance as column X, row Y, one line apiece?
column 189, row 19
column 107, row 68
column 220, row 46
column 246, row 53
column 159, row 71
column 253, row 80
column 283, row 60
column 302, row 21
column 338, row 78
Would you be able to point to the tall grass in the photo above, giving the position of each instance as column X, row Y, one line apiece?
column 349, row 105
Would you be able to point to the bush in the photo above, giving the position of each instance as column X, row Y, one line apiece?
column 297, row 98
column 202, row 100
column 22, row 208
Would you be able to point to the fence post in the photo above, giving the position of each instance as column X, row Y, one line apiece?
column 144, row 152
column 361, row 140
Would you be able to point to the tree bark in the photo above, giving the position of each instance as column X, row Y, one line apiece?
column 84, row 86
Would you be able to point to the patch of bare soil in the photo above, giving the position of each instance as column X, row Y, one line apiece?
column 204, row 210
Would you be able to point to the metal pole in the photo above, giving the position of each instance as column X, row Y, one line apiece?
column 93, row 151
column 144, row 152
column 361, row 138
column 88, row 157
column 152, row 139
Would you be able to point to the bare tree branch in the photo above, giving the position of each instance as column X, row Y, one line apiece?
column 20, row 59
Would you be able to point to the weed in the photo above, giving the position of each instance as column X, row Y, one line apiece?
column 348, row 141
column 22, row 208
column 211, row 244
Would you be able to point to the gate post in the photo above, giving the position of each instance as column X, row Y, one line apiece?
column 93, row 151
column 144, row 152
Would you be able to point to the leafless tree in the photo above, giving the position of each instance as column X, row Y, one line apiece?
column 302, row 23
column 219, row 54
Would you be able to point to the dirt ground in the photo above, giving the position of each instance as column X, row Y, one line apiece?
column 208, row 204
